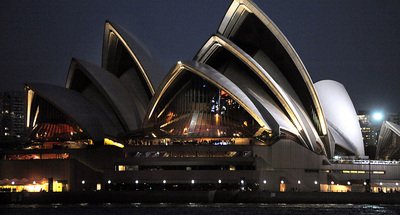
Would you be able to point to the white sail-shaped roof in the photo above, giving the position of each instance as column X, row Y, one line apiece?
column 109, row 93
column 252, row 30
column 388, row 147
column 230, row 60
column 128, row 59
column 341, row 116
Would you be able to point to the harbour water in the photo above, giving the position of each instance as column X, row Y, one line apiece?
column 200, row 209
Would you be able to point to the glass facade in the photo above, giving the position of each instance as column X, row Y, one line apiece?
column 53, row 125
column 194, row 107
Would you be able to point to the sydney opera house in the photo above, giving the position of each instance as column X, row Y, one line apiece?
column 242, row 114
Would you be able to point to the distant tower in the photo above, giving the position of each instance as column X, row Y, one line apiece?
column 12, row 130
column 369, row 129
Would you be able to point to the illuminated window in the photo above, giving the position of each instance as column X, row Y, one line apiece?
column 361, row 172
column 378, row 172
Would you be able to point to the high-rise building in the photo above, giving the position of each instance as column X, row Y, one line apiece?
column 370, row 124
column 369, row 128
column 12, row 129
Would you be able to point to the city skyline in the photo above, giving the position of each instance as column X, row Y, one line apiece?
column 355, row 43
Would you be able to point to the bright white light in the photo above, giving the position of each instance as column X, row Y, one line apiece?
column 109, row 181
column 164, row 181
column 332, row 182
column 265, row 181
column 365, row 183
column 377, row 116
column 315, row 182
column 192, row 181
column 282, row 181
column 241, row 181
column 219, row 181
column 299, row 182
column 348, row 183
column 12, row 182
column 136, row 181
column 397, row 184
column 380, row 183
column 83, row 182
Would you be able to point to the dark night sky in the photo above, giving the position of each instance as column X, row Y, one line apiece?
column 356, row 42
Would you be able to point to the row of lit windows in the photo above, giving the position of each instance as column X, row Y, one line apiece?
column 8, row 134
column 11, row 112
column 37, row 156
column 153, row 154
column 365, row 129
column 122, row 168
column 375, row 172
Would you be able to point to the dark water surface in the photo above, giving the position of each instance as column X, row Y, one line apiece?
column 201, row 209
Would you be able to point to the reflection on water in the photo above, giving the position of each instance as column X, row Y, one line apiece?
column 201, row 209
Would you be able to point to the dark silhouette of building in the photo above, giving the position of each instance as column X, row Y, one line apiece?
column 12, row 120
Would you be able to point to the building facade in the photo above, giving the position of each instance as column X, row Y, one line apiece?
column 242, row 114
column 12, row 120
column 370, row 128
